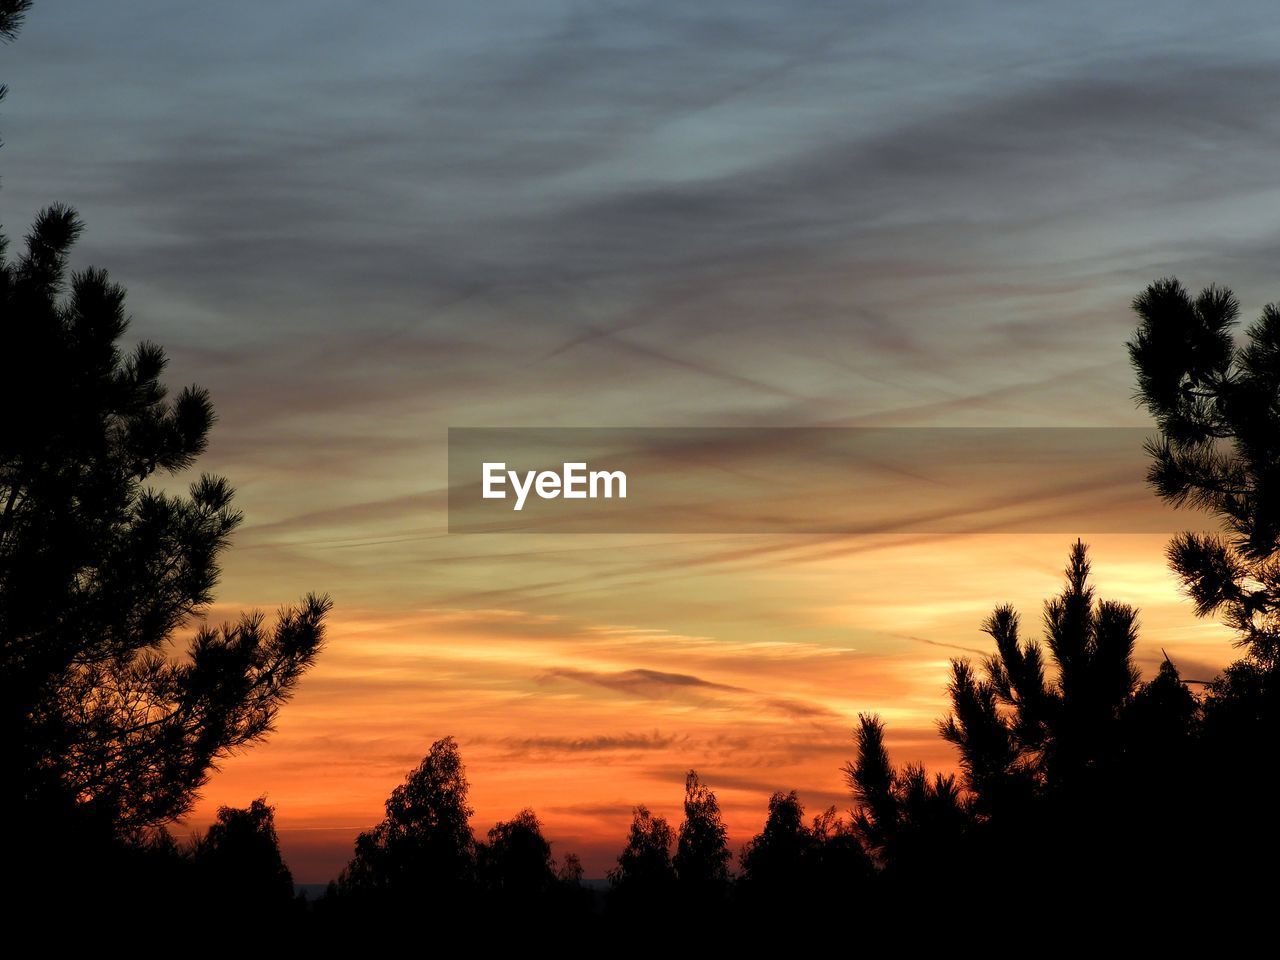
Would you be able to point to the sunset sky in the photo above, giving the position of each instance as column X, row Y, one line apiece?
column 359, row 225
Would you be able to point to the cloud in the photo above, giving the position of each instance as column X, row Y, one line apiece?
column 648, row 684
column 601, row 743
column 798, row 708
column 659, row 685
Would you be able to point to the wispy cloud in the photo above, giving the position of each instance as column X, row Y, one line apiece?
column 651, row 684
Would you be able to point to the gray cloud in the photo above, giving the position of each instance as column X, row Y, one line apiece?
column 650, row 684
column 603, row 743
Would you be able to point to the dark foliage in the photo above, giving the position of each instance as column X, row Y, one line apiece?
column 423, row 850
column 792, row 866
column 1218, row 409
column 110, row 721
column 1216, row 401
column 238, row 862
column 11, row 16
column 701, row 860
column 423, row 860
column 644, row 880
column 102, row 717
column 515, row 863
column 1067, row 758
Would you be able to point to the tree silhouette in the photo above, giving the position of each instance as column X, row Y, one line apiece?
column 1219, row 449
column 1067, row 760
column 12, row 13
column 1216, row 403
column 790, row 866
column 109, row 724
column 98, row 570
column 423, row 850
column 519, row 879
column 644, row 878
column 239, row 861
column 1015, row 728
column 570, row 870
column 701, row 861
column 907, row 820
column 515, row 864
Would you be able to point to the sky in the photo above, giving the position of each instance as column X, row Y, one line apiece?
column 359, row 225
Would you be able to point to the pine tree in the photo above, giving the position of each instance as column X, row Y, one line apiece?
column 99, row 570
column 1217, row 405
column 1015, row 728
column 109, row 722
column 1216, row 402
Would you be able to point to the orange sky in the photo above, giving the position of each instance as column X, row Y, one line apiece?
column 747, row 658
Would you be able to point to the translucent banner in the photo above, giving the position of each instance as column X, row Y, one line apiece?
column 805, row 480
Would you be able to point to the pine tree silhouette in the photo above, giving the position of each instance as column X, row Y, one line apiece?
column 1216, row 402
column 109, row 722
column 1067, row 758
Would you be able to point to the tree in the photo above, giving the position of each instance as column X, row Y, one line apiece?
column 792, row 866
column 515, row 864
column 423, row 850
column 1067, row 760
column 702, row 854
column 239, row 861
column 12, row 13
column 1218, row 410
column 774, row 857
column 1015, row 728
column 1216, row 402
column 909, row 822
column 109, row 722
column 644, row 876
column 570, row 870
